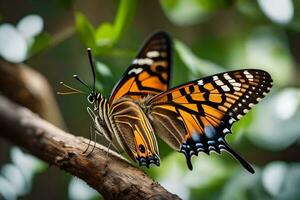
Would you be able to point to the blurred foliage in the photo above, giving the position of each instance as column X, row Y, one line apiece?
column 209, row 37
column 102, row 38
column 190, row 12
column 16, row 177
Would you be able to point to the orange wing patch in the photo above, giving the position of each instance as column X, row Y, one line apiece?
column 149, row 73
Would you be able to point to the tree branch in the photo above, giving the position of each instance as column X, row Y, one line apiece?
column 29, row 88
column 107, row 172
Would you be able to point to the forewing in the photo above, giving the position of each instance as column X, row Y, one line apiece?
column 149, row 73
column 134, row 133
column 196, row 116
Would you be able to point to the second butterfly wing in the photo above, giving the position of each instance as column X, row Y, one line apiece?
column 149, row 73
column 196, row 116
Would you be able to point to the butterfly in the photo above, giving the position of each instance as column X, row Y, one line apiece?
column 191, row 118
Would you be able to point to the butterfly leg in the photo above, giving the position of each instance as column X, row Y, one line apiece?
column 90, row 139
column 107, row 152
column 93, row 116
column 95, row 141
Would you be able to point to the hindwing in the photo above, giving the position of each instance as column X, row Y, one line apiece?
column 196, row 116
column 133, row 132
column 149, row 73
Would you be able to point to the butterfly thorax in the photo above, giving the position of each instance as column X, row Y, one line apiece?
column 124, row 120
column 100, row 117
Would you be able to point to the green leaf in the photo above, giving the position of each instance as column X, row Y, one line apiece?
column 41, row 42
column 103, row 69
column 169, row 4
column 196, row 65
column 198, row 10
column 176, row 11
column 125, row 14
column 85, row 30
column 240, row 127
column 105, row 34
column 216, row 4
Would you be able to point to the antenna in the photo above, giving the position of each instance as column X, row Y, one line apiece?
column 89, row 51
column 66, row 93
column 83, row 83
column 73, row 90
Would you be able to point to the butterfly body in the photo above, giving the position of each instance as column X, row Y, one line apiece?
column 126, row 126
column 191, row 118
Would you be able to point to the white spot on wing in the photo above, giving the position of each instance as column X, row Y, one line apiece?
column 231, row 120
column 226, row 76
column 143, row 61
column 200, row 82
column 152, row 54
column 236, row 84
column 226, row 130
column 251, row 105
column 249, row 76
column 246, row 72
column 225, row 88
column 237, row 88
column 135, row 70
column 219, row 82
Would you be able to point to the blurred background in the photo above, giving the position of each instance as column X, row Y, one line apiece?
column 50, row 37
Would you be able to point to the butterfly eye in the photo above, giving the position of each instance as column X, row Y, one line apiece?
column 91, row 98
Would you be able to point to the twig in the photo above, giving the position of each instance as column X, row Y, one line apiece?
column 110, row 175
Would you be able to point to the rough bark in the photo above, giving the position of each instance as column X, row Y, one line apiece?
column 107, row 172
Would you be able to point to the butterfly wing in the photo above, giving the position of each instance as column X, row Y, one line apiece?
column 196, row 116
column 133, row 132
column 149, row 73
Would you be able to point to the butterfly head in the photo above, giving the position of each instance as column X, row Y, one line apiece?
column 91, row 98
column 94, row 98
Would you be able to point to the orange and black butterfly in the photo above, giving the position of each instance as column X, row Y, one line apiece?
column 191, row 118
